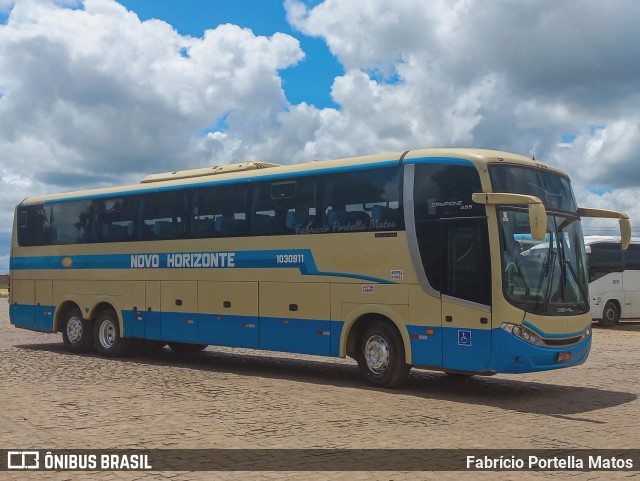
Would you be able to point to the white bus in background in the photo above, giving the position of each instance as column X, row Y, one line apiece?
column 614, row 279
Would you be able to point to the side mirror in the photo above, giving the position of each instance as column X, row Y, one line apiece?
column 537, row 212
column 625, row 225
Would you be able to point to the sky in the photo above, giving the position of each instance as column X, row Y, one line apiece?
column 98, row 92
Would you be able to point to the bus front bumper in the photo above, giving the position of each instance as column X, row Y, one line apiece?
column 510, row 354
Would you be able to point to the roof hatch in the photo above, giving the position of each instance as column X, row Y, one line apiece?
column 206, row 171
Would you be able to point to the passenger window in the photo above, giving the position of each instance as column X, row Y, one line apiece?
column 71, row 222
column 287, row 207
column 362, row 201
column 632, row 257
column 163, row 215
column 604, row 259
column 35, row 230
column 219, row 211
column 111, row 220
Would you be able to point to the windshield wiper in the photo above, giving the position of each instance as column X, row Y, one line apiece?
column 583, row 294
column 551, row 271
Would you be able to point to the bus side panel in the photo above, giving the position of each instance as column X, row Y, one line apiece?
column 179, row 307
column 425, row 328
column 228, row 314
column 44, row 306
column 352, row 301
column 133, row 318
column 152, row 315
column 631, row 286
column 295, row 317
column 607, row 288
column 22, row 311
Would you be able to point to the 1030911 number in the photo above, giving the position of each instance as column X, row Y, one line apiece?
column 290, row 258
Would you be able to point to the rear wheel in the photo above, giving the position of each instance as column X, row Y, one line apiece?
column 77, row 332
column 106, row 336
column 381, row 357
column 610, row 314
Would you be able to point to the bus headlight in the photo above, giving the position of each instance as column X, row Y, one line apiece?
column 584, row 335
column 523, row 333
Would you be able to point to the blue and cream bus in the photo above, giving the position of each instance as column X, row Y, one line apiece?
column 409, row 259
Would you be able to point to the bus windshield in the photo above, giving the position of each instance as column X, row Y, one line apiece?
column 544, row 277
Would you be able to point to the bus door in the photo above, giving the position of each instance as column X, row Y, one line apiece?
column 466, row 294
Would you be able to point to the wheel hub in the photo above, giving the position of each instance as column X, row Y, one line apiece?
column 74, row 329
column 376, row 354
column 107, row 334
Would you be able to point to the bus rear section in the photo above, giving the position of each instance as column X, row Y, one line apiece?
column 614, row 279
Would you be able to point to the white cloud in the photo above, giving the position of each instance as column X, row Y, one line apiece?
column 517, row 76
column 99, row 88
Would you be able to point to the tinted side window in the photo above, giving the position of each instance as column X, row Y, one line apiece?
column 163, row 215
column 362, row 201
column 442, row 190
column 70, row 222
column 604, row 258
column 467, row 267
column 110, row 220
column 632, row 257
column 219, row 211
column 284, row 207
column 34, row 225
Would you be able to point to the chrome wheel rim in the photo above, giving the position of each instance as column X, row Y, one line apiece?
column 74, row 329
column 107, row 334
column 376, row 354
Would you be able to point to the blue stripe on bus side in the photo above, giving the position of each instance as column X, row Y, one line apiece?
column 267, row 259
column 304, row 336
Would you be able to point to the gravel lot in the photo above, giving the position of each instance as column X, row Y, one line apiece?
column 223, row 398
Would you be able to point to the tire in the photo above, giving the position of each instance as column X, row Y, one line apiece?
column 184, row 347
column 106, row 336
column 610, row 314
column 77, row 332
column 381, row 358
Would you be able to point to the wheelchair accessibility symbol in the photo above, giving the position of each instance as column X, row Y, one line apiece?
column 464, row 338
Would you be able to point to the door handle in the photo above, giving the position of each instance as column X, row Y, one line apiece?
column 293, row 307
column 484, row 320
column 448, row 319
column 178, row 302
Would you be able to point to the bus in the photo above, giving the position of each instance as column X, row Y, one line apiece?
column 614, row 279
column 400, row 260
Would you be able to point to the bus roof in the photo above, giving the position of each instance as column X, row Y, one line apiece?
column 261, row 170
column 596, row 239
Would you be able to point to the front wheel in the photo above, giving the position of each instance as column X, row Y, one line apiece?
column 610, row 315
column 77, row 332
column 381, row 359
column 106, row 336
